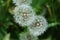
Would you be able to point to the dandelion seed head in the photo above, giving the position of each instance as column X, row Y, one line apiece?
column 39, row 26
column 19, row 2
column 27, row 36
column 24, row 15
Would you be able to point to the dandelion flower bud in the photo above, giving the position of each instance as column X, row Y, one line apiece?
column 38, row 26
column 24, row 15
column 19, row 2
column 27, row 36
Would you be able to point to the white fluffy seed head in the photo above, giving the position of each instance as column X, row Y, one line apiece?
column 38, row 26
column 19, row 2
column 24, row 15
column 27, row 36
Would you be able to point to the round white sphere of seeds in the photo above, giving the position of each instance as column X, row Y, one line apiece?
column 19, row 2
column 24, row 15
column 38, row 26
column 27, row 36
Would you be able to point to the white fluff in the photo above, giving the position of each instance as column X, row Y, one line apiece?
column 18, row 12
column 38, row 30
column 19, row 2
column 27, row 36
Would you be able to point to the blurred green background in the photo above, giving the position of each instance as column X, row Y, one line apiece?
column 52, row 14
